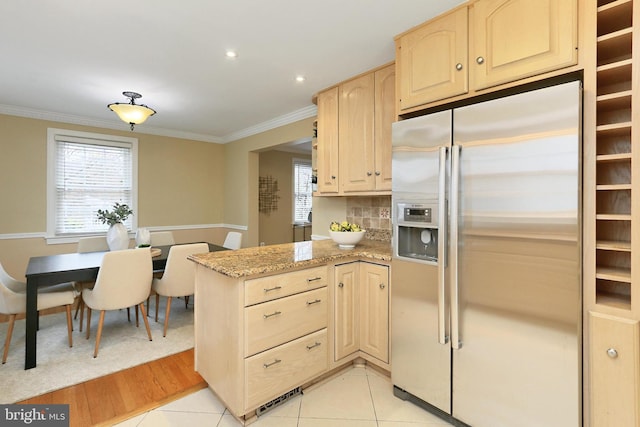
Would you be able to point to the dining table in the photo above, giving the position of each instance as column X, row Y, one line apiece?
column 51, row 270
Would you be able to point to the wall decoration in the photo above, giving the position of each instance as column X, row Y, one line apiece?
column 268, row 194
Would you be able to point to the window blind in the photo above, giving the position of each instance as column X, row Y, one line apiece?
column 90, row 176
column 302, row 190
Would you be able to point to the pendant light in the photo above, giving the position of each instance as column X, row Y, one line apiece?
column 132, row 113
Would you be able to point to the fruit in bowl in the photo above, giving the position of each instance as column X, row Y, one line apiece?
column 346, row 234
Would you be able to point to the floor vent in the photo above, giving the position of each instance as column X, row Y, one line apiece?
column 278, row 401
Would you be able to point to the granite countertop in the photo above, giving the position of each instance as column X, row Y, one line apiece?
column 279, row 258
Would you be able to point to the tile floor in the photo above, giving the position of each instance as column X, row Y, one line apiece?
column 359, row 397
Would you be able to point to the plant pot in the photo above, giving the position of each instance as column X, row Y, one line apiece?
column 143, row 237
column 117, row 237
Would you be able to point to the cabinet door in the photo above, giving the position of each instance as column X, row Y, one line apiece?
column 614, row 359
column 374, row 310
column 432, row 60
column 327, row 160
column 346, row 322
column 356, row 119
column 385, row 115
column 513, row 39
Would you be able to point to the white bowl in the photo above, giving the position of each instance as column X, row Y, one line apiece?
column 346, row 239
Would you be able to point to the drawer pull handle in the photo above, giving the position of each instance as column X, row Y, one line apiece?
column 314, row 279
column 341, row 285
column 266, row 365
column 313, row 302
column 612, row 353
column 309, row 347
column 381, row 285
column 275, row 313
column 275, row 288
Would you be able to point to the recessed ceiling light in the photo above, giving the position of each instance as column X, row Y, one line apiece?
column 232, row 54
column 300, row 79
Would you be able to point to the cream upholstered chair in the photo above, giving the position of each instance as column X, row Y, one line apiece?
column 179, row 277
column 162, row 238
column 13, row 302
column 233, row 240
column 124, row 280
column 92, row 244
column 88, row 244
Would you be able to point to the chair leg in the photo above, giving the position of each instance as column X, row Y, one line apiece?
column 128, row 315
column 88, row 321
column 166, row 316
column 81, row 313
column 186, row 302
column 146, row 321
column 99, row 333
column 157, row 304
column 7, row 341
column 69, row 325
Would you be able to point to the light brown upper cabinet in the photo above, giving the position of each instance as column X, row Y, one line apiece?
column 354, row 134
column 327, row 160
column 432, row 60
column 484, row 44
column 513, row 39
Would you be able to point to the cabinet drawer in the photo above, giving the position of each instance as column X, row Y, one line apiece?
column 282, row 285
column 274, row 372
column 275, row 322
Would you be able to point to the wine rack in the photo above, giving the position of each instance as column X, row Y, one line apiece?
column 614, row 155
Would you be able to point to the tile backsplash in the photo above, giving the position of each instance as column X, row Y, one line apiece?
column 373, row 214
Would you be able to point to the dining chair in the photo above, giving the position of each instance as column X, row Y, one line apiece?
column 233, row 240
column 88, row 244
column 162, row 238
column 124, row 280
column 179, row 277
column 14, row 302
column 92, row 244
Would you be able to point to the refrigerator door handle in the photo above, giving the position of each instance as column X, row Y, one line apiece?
column 443, row 338
column 453, row 255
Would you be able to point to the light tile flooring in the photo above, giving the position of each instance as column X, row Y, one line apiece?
column 359, row 397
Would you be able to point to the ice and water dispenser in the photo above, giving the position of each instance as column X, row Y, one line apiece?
column 416, row 231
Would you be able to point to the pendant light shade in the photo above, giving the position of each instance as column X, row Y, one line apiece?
column 132, row 113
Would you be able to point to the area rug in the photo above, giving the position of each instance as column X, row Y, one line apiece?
column 122, row 346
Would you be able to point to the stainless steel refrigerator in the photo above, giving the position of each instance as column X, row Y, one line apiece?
column 486, row 269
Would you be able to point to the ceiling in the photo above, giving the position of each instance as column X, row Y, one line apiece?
column 65, row 60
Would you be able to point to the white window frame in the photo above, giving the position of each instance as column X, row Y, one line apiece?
column 293, row 186
column 92, row 138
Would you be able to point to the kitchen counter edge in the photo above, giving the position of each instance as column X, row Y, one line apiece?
column 286, row 256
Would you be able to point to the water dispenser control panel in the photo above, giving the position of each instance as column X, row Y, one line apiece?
column 416, row 231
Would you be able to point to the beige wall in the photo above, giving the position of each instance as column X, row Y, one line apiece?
column 276, row 226
column 180, row 182
column 241, row 174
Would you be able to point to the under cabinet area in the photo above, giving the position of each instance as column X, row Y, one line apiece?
column 464, row 51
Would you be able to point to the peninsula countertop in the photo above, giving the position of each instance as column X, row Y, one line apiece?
column 277, row 258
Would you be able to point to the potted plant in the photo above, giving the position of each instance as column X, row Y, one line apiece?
column 117, row 236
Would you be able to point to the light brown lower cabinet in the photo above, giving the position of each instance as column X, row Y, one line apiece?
column 614, row 371
column 361, row 310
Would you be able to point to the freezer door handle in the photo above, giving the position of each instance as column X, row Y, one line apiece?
column 442, row 241
column 453, row 256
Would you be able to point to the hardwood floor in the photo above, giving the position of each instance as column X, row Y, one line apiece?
column 116, row 397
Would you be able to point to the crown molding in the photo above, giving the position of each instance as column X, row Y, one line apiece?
column 286, row 119
column 303, row 113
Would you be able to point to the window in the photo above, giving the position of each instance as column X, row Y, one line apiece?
column 302, row 192
column 87, row 172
